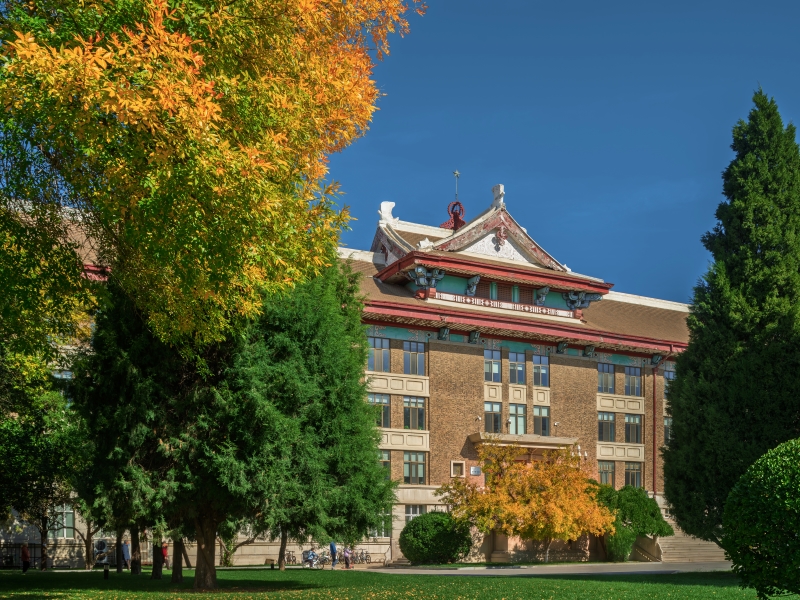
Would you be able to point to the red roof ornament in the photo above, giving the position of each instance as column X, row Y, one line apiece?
column 456, row 212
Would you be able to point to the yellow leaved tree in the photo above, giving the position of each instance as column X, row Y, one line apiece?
column 187, row 140
column 543, row 500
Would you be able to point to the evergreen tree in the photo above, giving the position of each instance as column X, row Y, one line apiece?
column 737, row 393
column 275, row 433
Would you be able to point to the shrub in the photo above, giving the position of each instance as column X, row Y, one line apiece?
column 636, row 514
column 435, row 538
column 761, row 521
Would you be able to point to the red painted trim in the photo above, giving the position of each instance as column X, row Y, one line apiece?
column 554, row 280
column 434, row 313
column 95, row 272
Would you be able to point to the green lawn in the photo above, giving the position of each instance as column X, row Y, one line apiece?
column 345, row 585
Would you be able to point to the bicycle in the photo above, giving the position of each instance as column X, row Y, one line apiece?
column 314, row 563
column 290, row 557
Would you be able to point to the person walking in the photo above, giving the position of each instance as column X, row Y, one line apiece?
column 347, row 553
column 165, row 554
column 334, row 558
column 126, row 555
column 25, row 556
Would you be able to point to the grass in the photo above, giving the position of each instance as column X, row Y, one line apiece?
column 246, row 584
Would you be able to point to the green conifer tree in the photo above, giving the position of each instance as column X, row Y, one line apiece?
column 737, row 391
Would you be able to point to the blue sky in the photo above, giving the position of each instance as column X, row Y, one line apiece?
column 608, row 123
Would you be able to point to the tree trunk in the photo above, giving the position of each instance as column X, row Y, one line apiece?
column 547, row 542
column 136, row 552
column 282, row 551
column 158, row 559
column 178, row 551
column 43, row 536
column 118, row 551
column 205, row 575
column 185, row 555
column 88, row 547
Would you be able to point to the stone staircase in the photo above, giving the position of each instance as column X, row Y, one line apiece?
column 684, row 548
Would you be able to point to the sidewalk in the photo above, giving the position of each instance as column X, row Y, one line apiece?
column 628, row 568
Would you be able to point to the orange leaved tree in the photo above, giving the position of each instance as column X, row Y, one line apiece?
column 544, row 500
column 187, row 140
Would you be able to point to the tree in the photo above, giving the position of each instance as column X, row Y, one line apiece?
column 545, row 500
column 37, row 465
column 435, row 538
column 276, row 420
column 744, row 321
column 635, row 514
column 189, row 141
column 761, row 521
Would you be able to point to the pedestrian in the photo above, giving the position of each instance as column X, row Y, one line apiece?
column 347, row 552
column 126, row 554
column 26, row 557
column 165, row 554
column 334, row 559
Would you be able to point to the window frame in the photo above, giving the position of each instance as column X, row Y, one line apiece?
column 541, row 370
column 637, row 474
column 60, row 527
column 611, row 426
column 412, row 514
column 541, row 422
column 612, row 471
column 385, row 530
column 414, row 410
column 414, row 358
column 385, row 458
column 514, row 419
column 633, row 424
column 385, row 416
column 496, row 417
column 667, row 430
column 494, row 362
column 516, row 368
column 605, row 374
column 462, row 464
column 382, row 347
column 412, row 465
column 633, row 381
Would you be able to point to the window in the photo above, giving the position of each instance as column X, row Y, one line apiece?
column 384, row 418
column 605, row 378
column 633, row 381
column 517, row 368
column 378, row 355
column 669, row 377
column 413, row 358
column 606, row 470
column 457, row 468
column 491, row 413
column 385, row 456
column 633, row 429
column 414, row 468
column 62, row 525
column 541, row 420
column 633, row 474
column 541, row 371
column 517, row 416
column 667, row 430
column 605, row 427
column 384, row 530
column 491, row 365
column 413, row 412
column 414, row 510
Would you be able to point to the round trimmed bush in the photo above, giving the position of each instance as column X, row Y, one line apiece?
column 761, row 522
column 435, row 538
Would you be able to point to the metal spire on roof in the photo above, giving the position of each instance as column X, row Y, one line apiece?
column 456, row 174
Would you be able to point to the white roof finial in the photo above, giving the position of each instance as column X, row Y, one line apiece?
column 498, row 192
column 386, row 213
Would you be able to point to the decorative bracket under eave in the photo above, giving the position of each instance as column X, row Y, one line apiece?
column 425, row 279
column 580, row 300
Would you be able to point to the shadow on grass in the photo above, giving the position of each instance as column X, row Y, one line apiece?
column 724, row 579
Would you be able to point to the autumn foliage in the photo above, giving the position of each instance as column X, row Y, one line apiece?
column 543, row 500
column 192, row 138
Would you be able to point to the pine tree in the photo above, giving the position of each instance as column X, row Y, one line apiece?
column 737, row 391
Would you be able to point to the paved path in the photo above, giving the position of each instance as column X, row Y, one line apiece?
column 639, row 568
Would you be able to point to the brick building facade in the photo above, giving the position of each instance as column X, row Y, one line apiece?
column 475, row 330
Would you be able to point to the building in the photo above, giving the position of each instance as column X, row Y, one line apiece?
column 474, row 329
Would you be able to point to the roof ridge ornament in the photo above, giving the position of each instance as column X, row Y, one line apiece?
column 456, row 212
column 498, row 192
column 386, row 214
